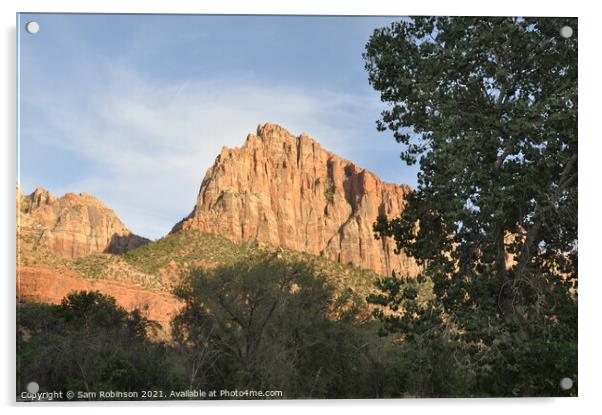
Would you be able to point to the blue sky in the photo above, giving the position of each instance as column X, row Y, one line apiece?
column 135, row 108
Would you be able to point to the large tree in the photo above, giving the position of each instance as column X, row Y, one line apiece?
column 269, row 323
column 488, row 108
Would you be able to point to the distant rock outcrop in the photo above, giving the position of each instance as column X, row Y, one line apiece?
column 288, row 191
column 73, row 225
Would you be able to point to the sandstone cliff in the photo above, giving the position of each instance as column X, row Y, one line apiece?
column 73, row 225
column 288, row 191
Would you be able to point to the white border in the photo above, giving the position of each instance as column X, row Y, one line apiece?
column 589, row 216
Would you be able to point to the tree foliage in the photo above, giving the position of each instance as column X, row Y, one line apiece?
column 488, row 108
column 274, row 324
column 89, row 344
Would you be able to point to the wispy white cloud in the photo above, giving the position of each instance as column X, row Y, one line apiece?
column 153, row 141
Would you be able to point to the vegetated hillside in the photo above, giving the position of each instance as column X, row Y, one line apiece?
column 158, row 266
column 181, row 251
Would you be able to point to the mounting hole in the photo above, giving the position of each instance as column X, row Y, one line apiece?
column 32, row 387
column 566, row 383
column 566, row 32
column 32, row 27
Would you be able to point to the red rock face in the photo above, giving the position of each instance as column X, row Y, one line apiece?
column 44, row 285
column 73, row 225
column 288, row 191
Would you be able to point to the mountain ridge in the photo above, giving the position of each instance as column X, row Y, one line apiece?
column 76, row 242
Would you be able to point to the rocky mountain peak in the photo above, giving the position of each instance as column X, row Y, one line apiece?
column 40, row 197
column 268, row 131
column 73, row 225
column 288, row 191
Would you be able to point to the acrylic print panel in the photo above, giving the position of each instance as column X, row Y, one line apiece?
column 215, row 207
